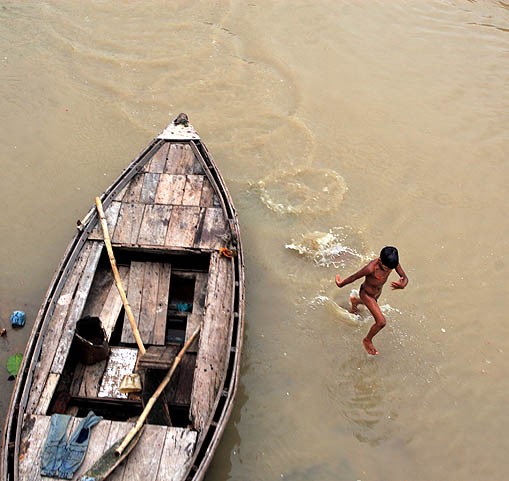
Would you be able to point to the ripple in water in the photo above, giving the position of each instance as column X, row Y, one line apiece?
column 304, row 191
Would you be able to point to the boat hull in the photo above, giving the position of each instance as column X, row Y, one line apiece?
column 176, row 240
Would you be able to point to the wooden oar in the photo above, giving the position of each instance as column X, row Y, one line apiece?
column 157, row 393
column 116, row 275
column 106, row 464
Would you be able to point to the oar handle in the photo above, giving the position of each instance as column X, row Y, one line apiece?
column 116, row 275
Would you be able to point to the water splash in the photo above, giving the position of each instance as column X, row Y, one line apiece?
column 339, row 312
column 326, row 249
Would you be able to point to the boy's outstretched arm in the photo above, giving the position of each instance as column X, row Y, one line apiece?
column 365, row 271
column 403, row 279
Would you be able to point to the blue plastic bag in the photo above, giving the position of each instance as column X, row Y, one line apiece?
column 18, row 319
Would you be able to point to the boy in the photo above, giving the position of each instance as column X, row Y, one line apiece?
column 376, row 274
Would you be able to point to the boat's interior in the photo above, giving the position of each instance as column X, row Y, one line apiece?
column 167, row 294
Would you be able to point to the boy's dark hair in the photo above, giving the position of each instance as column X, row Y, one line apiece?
column 389, row 257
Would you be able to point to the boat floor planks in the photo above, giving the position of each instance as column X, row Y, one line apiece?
column 169, row 216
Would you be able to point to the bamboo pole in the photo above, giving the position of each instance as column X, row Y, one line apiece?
column 116, row 275
column 157, row 393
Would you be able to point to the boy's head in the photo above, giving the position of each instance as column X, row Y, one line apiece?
column 389, row 257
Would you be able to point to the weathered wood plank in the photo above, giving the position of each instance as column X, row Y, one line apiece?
column 158, row 161
column 214, row 233
column 54, row 331
column 122, row 361
column 188, row 160
column 111, row 214
column 163, row 293
column 91, row 379
column 170, row 190
column 34, row 434
column 180, row 388
column 154, row 224
column 193, row 190
column 181, row 160
column 148, row 305
column 117, row 431
column 96, row 447
column 149, row 285
column 47, row 393
column 195, row 318
column 158, row 357
column 143, row 463
column 149, row 188
column 113, row 304
column 182, row 228
column 134, row 189
column 214, row 340
column 207, row 194
column 77, row 306
column 134, row 295
column 101, row 286
column 128, row 223
column 178, row 448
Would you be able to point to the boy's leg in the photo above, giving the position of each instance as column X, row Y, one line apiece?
column 355, row 300
column 374, row 308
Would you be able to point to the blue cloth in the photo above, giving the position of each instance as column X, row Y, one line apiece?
column 18, row 319
column 54, row 449
column 61, row 459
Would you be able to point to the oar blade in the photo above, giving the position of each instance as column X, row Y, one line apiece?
column 107, row 463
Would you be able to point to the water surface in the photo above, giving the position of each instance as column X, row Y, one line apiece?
column 340, row 127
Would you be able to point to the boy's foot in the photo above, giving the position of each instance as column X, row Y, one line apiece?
column 368, row 345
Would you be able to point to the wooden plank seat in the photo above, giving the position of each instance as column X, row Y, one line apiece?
column 158, row 357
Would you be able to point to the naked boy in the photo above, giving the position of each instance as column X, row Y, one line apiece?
column 375, row 275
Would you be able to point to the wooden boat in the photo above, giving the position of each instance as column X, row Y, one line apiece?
column 176, row 242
